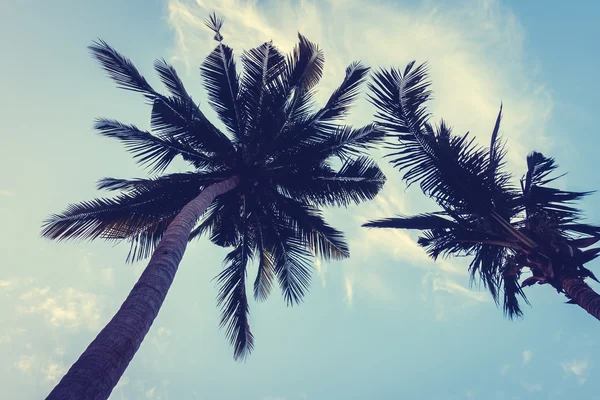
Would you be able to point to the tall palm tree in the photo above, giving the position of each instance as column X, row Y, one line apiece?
column 257, row 187
column 505, row 229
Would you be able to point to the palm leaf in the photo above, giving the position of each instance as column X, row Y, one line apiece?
column 154, row 152
column 420, row 222
column 357, row 180
column 344, row 96
column 222, row 85
column 262, row 65
column 121, row 69
column 308, row 223
column 233, row 300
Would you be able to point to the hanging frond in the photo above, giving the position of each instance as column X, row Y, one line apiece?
column 512, row 289
column 233, row 300
column 309, row 225
column 266, row 266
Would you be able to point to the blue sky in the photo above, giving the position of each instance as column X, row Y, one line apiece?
column 385, row 324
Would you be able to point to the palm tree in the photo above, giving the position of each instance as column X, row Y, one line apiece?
column 258, row 187
column 504, row 228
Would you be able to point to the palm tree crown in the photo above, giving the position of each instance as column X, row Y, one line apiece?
column 504, row 228
column 280, row 147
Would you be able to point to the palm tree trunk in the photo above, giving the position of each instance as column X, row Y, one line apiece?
column 583, row 295
column 94, row 375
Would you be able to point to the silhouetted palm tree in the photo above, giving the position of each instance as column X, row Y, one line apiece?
column 258, row 187
column 504, row 229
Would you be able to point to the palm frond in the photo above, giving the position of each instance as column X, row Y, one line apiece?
column 293, row 269
column 290, row 255
column 262, row 65
column 304, row 68
column 539, row 197
column 308, row 224
column 154, row 152
column 222, row 85
column 221, row 221
column 120, row 69
column 141, row 184
column 266, row 267
column 512, row 289
column 171, row 80
column 357, row 180
column 421, row 222
column 344, row 96
column 182, row 120
column 233, row 300
column 139, row 215
column 400, row 98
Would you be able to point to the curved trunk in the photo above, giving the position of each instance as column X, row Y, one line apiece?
column 583, row 295
column 94, row 375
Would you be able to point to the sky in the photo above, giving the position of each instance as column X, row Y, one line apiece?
column 387, row 323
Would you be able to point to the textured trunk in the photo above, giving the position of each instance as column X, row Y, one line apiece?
column 583, row 295
column 99, row 368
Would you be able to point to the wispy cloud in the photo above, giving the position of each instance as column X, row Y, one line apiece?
column 442, row 283
column 578, row 369
column 349, row 285
column 527, row 354
column 6, row 193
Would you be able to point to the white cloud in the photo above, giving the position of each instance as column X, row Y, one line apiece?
column 26, row 364
column 68, row 308
column 505, row 369
column 150, row 393
column 577, row 368
column 6, row 193
column 527, row 354
column 533, row 387
column 5, row 284
column 477, row 59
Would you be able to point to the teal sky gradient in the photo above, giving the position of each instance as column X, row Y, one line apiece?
column 385, row 324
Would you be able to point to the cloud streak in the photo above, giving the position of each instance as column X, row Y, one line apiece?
column 577, row 369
